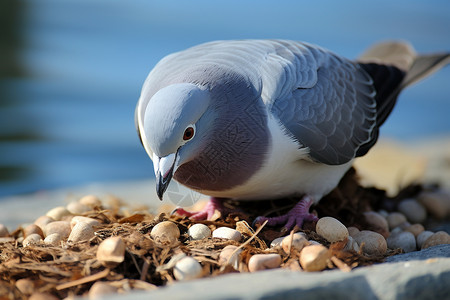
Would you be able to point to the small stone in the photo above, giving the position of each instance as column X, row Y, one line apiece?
column 3, row 231
column 226, row 256
column 32, row 239
column 422, row 237
column 404, row 240
column 81, row 232
column 377, row 222
column 42, row 221
column 25, row 286
column 314, row 258
column 111, row 251
column 351, row 245
column 331, row 229
column 90, row 221
column 187, row 268
column 100, row 289
column 260, row 262
column 312, row 242
column 396, row 230
column 165, row 233
column 91, row 201
column 227, row 233
column 53, row 239
column 413, row 211
column 438, row 238
column 76, row 208
column 61, row 227
column 58, row 213
column 435, row 203
column 42, row 296
column 374, row 243
column 33, row 228
column 415, row 229
column 394, row 219
column 352, row 231
column 277, row 242
column 383, row 212
column 404, row 225
column 199, row 232
column 298, row 242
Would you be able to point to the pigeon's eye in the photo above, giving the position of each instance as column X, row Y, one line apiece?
column 188, row 133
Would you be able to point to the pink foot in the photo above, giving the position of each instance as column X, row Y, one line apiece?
column 206, row 213
column 295, row 217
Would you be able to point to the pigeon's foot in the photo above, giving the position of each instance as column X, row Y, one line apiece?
column 206, row 213
column 295, row 217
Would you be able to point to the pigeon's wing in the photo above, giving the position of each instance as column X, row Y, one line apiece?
column 328, row 103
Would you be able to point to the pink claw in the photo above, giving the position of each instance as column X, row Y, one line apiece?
column 295, row 217
column 206, row 213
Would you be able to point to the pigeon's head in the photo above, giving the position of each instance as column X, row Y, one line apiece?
column 175, row 123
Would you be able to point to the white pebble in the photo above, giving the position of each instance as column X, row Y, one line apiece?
column 422, row 237
column 33, row 228
column 378, row 222
column 313, row 242
column 404, row 240
column 374, row 243
column 413, row 211
column 165, row 233
column 331, row 229
column 81, row 232
column 42, row 221
column 90, row 200
column 394, row 219
column 61, row 227
column 187, row 268
column 111, row 251
column 436, row 203
column 199, row 232
column 76, row 208
column 25, row 286
column 58, row 213
column 314, row 258
column 32, row 239
column 100, row 289
column 298, row 242
column 352, row 231
column 260, row 262
column 276, row 242
column 3, row 231
column 53, row 239
column 438, row 238
column 226, row 256
column 227, row 233
column 91, row 221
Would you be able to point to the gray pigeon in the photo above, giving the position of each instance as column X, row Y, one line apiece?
column 266, row 119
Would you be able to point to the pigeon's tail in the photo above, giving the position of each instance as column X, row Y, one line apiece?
column 403, row 56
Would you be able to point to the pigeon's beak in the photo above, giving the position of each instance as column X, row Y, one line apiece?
column 164, row 168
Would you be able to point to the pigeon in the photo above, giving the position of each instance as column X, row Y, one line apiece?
column 267, row 119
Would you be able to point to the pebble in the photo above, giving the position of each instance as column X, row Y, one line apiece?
column 435, row 203
column 298, row 242
column 187, row 268
column 42, row 296
column 260, row 262
column 351, row 245
column 58, row 213
column 438, row 238
column 277, row 242
column 227, row 253
column 374, row 243
column 61, row 227
column 100, row 289
column 91, row 221
column 331, row 229
column 81, row 232
column 312, row 242
column 352, row 231
column 314, row 258
column 90, row 200
column 394, row 219
column 25, row 286
column 33, row 228
column 413, row 210
column 42, row 221
column 76, row 208
column 53, row 239
column 165, row 233
column 227, row 233
column 32, row 239
column 422, row 237
column 378, row 222
column 199, row 232
column 404, row 240
column 415, row 229
column 111, row 251
column 3, row 231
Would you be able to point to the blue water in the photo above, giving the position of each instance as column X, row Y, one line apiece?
column 86, row 61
